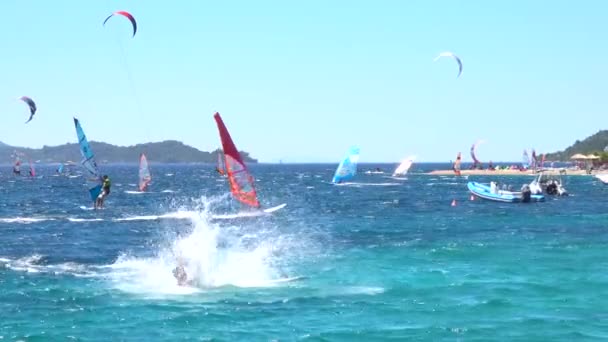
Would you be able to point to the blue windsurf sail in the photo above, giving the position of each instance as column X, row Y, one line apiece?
column 88, row 162
column 348, row 166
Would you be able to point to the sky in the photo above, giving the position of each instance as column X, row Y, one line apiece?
column 302, row 81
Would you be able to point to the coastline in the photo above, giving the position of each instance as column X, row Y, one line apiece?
column 509, row 172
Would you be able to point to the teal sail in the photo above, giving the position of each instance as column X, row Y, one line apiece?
column 88, row 162
column 348, row 167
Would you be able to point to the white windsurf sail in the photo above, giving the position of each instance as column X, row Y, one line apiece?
column 144, row 173
column 404, row 167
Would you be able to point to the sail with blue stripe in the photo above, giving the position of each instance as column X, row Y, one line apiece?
column 348, row 166
column 88, row 162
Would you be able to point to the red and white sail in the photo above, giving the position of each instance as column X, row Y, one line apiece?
column 241, row 182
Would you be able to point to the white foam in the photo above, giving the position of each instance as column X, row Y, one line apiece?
column 180, row 215
column 76, row 219
column 212, row 256
column 25, row 219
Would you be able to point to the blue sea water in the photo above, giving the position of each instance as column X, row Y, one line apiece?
column 380, row 259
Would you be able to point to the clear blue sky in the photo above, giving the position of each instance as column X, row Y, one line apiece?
column 303, row 80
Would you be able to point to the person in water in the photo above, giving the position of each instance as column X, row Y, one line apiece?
column 105, row 191
column 179, row 272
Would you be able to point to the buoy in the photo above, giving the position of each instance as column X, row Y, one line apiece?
column 472, row 197
column 453, row 202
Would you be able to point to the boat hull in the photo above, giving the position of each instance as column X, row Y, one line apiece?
column 484, row 191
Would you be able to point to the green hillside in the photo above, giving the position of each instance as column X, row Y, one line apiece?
column 169, row 151
column 595, row 144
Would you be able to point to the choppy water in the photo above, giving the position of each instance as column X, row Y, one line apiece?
column 380, row 259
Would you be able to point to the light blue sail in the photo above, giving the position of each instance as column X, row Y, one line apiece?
column 88, row 162
column 348, row 166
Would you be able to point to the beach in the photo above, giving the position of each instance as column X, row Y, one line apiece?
column 509, row 172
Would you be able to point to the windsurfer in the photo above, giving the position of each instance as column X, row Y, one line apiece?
column 179, row 272
column 105, row 191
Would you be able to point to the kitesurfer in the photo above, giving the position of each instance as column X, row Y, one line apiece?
column 105, row 191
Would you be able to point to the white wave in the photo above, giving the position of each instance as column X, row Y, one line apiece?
column 134, row 192
column 364, row 290
column 76, row 219
column 355, row 184
column 212, row 257
column 168, row 191
column 35, row 264
column 180, row 215
column 25, row 219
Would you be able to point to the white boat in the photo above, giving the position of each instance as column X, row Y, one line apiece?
column 603, row 177
column 377, row 171
column 548, row 184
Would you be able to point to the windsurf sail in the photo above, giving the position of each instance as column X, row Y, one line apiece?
column 404, row 167
column 88, row 162
column 542, row 160
column 525, row 162
column 16, row 163
column 534, row 159
column 144, row 173
column 241, row 182
column 348, row 166
column 32, row 168
column 60, row 169
column 476, row 162
column 220, row 168
column 456, row 166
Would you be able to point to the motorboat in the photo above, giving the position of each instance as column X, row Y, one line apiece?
column 548, row 184
column 493, row 192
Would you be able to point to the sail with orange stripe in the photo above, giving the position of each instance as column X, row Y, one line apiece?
column 241, row 182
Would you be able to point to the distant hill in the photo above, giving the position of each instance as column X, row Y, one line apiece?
column 169, row 151
column 596, row 144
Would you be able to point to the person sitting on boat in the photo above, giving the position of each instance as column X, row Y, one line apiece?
column 105, row 191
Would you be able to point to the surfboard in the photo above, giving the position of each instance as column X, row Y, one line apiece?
column 273, row 209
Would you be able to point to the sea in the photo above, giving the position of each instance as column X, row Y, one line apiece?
column 375, row 259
